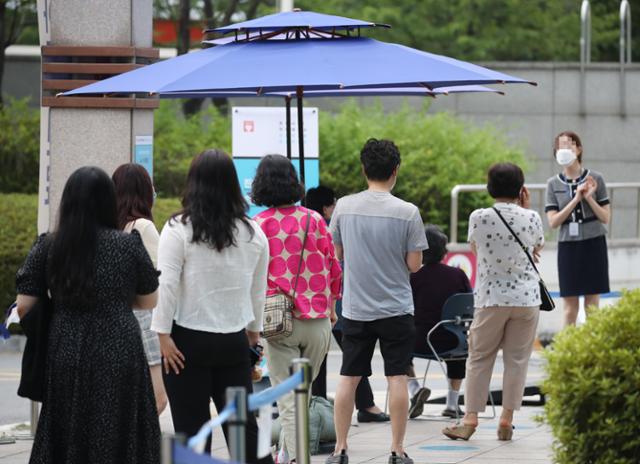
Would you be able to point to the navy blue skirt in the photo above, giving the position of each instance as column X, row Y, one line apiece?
column 583, row 267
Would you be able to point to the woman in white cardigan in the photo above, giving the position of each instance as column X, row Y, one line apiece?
column 213, row 261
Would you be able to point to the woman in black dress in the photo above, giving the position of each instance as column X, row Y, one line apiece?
column 98, row 405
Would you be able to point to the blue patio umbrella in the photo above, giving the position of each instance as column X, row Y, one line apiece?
column 348, row 92
column 317, row 53
column 299, row 65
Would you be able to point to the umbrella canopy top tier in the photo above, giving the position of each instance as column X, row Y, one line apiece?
column 299, row 65
column 297, row 20
column 377, row 92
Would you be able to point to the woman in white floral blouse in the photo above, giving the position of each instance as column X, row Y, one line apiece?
column 506, row 298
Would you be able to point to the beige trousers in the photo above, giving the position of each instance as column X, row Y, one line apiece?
column 309, row 339
column 508, row 327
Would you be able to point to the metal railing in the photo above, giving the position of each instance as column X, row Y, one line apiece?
column 538, row 190
column 585, row 51
column 625, row 51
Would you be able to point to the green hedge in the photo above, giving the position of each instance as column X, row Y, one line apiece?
column 19, row 146
column 438, row 152
column 593, row 387
column 18, row 230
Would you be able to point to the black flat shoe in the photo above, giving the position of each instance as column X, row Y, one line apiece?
column 366, row 416
column 417, row 402
column 452, row 413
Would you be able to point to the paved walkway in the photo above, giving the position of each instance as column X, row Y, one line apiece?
column 425, row 444
column 368, row 443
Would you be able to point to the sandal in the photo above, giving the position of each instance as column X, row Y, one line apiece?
column 505, row 432
column 462, row 432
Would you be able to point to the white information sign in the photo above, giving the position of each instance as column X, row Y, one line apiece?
column 260, row 131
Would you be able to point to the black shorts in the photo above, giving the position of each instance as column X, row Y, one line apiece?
column 397, row 339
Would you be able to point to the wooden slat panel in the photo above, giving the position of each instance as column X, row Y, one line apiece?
column 148, row 53
column 100, row 102
column 89, row 68
column 65, row 84
column 58, row 50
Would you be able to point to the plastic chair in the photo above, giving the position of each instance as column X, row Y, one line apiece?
column 457, row 315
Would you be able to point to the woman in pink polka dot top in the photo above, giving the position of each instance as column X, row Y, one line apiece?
column 276, row 186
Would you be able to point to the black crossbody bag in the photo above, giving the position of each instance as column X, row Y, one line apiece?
column 547, row 303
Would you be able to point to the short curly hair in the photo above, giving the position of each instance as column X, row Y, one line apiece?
column 379, row 158
column 276, row 182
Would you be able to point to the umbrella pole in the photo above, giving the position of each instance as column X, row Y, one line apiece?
column 288, row 102
column 300, row 132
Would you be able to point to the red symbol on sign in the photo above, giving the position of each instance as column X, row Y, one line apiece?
column 464, row 260
column 249, row 126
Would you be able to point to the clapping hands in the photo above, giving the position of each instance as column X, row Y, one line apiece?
column 587, row 188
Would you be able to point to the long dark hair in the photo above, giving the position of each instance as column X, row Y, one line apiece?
column 88, row 204
column 213, row 200
column 134, row 193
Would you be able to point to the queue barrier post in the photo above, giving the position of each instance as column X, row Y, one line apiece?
column 302, row 410
column 237, row 423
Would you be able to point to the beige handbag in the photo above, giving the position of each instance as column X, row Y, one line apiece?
column 277, row 318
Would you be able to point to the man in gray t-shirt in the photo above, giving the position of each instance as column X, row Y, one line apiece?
column 376, row 231
column 381, row 239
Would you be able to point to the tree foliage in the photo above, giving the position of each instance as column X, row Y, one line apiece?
column 178, row 138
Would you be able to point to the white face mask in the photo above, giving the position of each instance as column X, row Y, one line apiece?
column 565, row 156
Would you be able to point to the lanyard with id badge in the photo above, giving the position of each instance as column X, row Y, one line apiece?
column 574, row 225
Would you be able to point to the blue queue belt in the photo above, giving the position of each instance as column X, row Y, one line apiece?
column 255, row 402
column 268, row 396
column 183, row 455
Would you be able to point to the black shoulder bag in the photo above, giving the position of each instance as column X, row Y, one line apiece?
column 35, row 325
column 547, row 303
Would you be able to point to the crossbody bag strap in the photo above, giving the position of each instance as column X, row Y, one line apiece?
column 524, row 248
column 304, row 243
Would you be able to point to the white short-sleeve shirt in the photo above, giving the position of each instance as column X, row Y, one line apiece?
column 505, row 276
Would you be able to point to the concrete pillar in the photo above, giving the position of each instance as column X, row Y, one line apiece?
column 75, row 137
